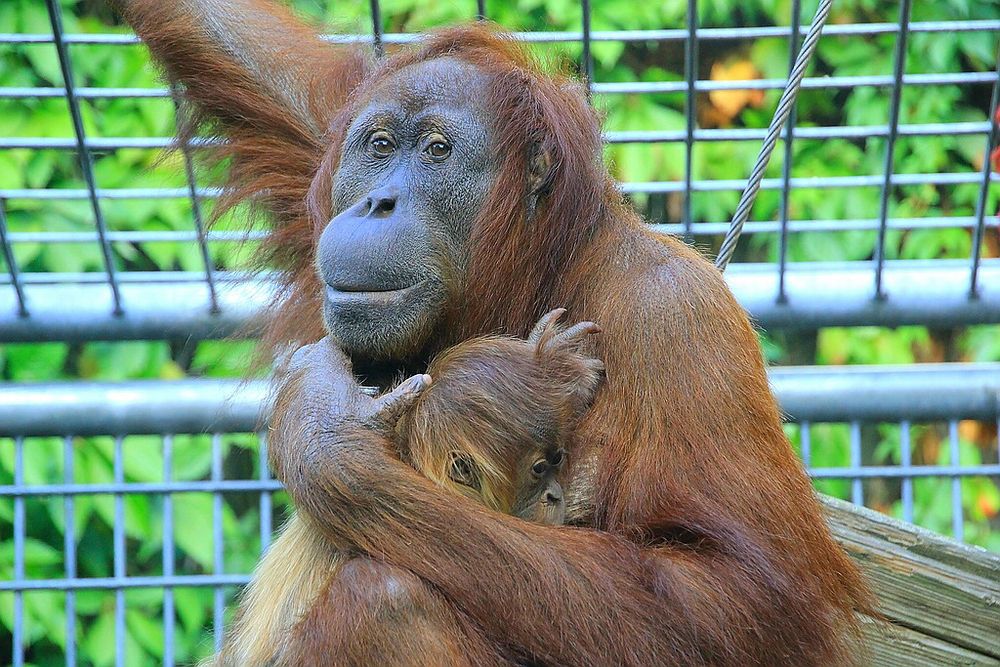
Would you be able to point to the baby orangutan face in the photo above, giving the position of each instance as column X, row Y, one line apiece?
column 496, row 420
column 538, row 494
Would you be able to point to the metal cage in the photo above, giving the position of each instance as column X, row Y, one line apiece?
column 151, row 431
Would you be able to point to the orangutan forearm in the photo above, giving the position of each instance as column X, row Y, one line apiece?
column 242, row 60
column 528, row 585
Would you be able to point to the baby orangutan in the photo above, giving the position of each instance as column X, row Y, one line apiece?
column 494, row 421
column 491, row 423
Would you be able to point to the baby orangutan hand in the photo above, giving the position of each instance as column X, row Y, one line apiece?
column 568, row 355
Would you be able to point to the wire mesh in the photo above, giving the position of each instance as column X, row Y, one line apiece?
column 903, row 449
column 182, row 553
column 118, row 242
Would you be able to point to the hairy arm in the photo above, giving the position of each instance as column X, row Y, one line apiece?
column 248, row 63
column 559, row 595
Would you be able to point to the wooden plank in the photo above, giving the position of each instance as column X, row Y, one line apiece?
column 903, row 647
column 939, row 588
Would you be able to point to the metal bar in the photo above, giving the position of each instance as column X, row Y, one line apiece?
column 926, row 392
column 817, row 294
column 785, row 105
column 19, row 579
column 805, row 443
column 142, row 488
column 86, row 160
column 690, row 101
column 125, row 583
column 786, row 165
column 628, row 187
column 91, row 408
column 622, row 88
column 265, row 496
column 809, row 83
column 723, row 185
column 377, row 28
column 898, row 472
column 181, row 236
column 899, row 67
column 857, row 491
column 271, row 486
column 480, row 10
column 700, row 229
column 119, row 554
column 611, row 137
column 178, row 311
column 991, row 142
column 102, row 143
column 587, row 60
column 675, row 35
column 822, row 132
column 69, row 551
column 199, row 224
column 169, row 630
column 12, row 271
column 957, row 519
column 219, row 600
column 905, row 462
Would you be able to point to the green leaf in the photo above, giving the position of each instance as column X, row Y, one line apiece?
column 146, row 631
column 99, row 640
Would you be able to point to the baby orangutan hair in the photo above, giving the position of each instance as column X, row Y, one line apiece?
column 494, row 422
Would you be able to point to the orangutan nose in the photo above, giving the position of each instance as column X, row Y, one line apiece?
column 380, row 203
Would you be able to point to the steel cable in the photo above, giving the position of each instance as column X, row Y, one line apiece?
column 785, row 105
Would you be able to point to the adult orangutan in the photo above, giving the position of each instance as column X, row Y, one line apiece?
column 453, row 190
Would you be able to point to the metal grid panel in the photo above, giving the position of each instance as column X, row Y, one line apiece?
column 843, row 420
column 23, row 300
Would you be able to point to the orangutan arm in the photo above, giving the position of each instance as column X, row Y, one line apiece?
column 558, row 595
column 248, row 63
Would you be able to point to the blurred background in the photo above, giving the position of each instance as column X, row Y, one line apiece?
column 806, row 268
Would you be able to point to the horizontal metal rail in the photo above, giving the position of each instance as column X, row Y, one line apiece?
column 927, row 392
column 697, row 229
column 615, row 137
column 171, row 305
column 622, row 88
column 674, row 35
column 645, row 187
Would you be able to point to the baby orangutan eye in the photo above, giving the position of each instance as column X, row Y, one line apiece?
column 463, row 470
column 540, row 467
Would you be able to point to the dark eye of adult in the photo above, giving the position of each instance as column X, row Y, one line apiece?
column 382, row 145
column 438, row 148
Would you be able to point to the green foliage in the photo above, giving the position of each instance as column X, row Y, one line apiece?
column 91, row 521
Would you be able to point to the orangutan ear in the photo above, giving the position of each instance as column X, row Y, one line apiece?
column 539, row 169
column 539, row 176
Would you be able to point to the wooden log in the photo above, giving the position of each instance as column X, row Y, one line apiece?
column 943, row 597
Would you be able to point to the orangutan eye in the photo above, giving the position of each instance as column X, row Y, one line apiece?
column 382, row 145
column 438, row 148
column 463, row 470
column 540, row 467
column 557, row 457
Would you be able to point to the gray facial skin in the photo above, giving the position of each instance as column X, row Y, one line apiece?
column 541, row 498
column 414, row 172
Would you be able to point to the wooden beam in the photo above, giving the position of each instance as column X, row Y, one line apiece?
column 943, row 597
